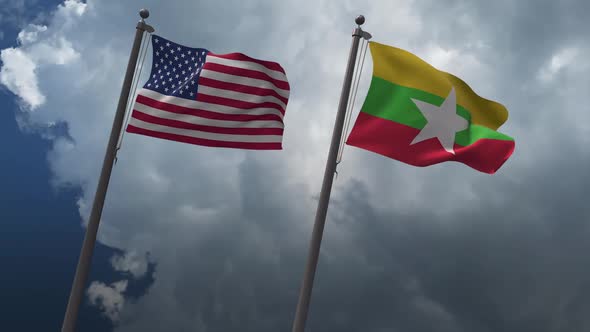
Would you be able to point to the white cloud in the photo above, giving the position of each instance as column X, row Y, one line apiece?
column 130, row 262
column 71, row 8
column 30, row 33
column 18, row 75
column 39, row 48
column 558, row 61
column 108, row 298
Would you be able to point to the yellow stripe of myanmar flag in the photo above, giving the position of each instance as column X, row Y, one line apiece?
column 422, row 116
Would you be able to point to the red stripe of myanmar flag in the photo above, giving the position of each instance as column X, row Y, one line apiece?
column 421, row 116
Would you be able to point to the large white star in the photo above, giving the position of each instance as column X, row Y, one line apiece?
column 442, row 121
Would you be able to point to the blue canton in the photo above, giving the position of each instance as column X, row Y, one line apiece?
column 175, row 68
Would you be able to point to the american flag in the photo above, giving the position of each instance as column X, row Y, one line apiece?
column 220, row 100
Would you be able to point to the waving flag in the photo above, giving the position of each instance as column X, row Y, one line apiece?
column 421, row 116
column 219, row 100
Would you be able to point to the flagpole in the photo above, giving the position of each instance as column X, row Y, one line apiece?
column 84, row 261
column 322, row 210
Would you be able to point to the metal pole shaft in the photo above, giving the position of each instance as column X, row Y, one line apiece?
column 322, row 210
column 84, row 261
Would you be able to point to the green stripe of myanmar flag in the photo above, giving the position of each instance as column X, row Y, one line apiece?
column 421, row 116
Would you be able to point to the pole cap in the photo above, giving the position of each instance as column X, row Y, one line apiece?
column 359, row 20
column 144, row 13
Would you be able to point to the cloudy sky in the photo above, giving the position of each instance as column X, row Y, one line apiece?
column 201, row 239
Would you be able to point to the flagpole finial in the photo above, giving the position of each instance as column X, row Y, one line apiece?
column 359, row 20
column 144, row 13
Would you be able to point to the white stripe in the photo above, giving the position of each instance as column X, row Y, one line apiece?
column 277, row 75
column 204, row 121
column 243, row 80
column 207, row 106
column 206, row 135
column 240, row 96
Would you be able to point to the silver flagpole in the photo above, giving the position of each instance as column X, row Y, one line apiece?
column 83, row 268
column 322, row 210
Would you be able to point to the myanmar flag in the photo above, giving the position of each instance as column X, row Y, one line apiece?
column 421, row 116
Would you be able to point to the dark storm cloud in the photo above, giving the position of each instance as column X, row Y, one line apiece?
column 405, row 249
column 511, row 261
column 514, row 266
column 520, row 37
column 241, row 275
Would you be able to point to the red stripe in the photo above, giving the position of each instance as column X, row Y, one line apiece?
column 204, row 142
column 210, row 129
column 205, row 114
column 242, row 57
column 244, row 73
column 393, row 139
column 238, row 103
column 241, row 88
